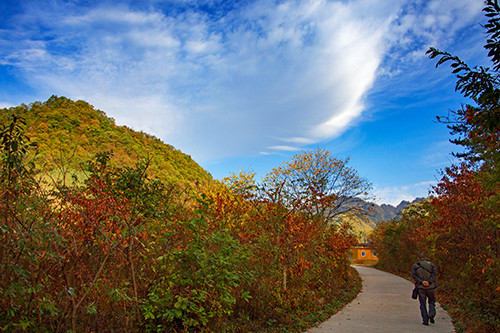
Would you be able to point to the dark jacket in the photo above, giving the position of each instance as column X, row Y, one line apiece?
column 424, row 271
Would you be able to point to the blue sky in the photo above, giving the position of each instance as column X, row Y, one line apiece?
column 245, row 85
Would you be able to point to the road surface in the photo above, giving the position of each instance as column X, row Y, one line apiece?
column 384, row 305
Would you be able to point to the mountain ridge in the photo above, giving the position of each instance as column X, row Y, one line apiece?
column 385, row 212
column 363, row 225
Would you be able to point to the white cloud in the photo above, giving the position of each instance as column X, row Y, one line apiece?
column 284, row 70
column 298, row 140
column 422, row 24
column 262, row 78
column 284, row 148
column 395, row 194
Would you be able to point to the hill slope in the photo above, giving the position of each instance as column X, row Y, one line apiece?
column 69, row 133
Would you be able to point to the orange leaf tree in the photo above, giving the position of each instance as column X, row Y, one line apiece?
column 462, row 231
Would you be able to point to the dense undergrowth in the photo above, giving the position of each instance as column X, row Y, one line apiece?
column 117, row 250
column 464, row 251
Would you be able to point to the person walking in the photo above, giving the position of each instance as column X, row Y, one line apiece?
column 424, row 273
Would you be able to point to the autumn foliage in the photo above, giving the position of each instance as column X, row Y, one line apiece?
column 458, row 229
column 118, row 250
column 459, row 226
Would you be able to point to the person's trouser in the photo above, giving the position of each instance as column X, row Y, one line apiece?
column 423, row 296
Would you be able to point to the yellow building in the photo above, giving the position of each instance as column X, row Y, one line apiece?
column 363, row 252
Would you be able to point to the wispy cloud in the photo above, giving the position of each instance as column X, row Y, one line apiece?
column 395, row 194
column 284, row 148
column 439, row 154
column 422, row 24
column 261, row 77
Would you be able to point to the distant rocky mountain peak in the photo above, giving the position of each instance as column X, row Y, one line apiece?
column 385, row 212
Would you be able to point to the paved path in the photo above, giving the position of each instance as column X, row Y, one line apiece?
column 384, row 305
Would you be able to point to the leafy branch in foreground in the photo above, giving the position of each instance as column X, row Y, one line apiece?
column 459, row 227
column 477, row 126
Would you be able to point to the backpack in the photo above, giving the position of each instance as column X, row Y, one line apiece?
column 424, row 270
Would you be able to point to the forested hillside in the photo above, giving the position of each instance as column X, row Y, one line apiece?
column 69, row 133
column 129, row 248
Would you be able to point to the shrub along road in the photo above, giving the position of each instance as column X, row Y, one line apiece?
column 383, row 305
